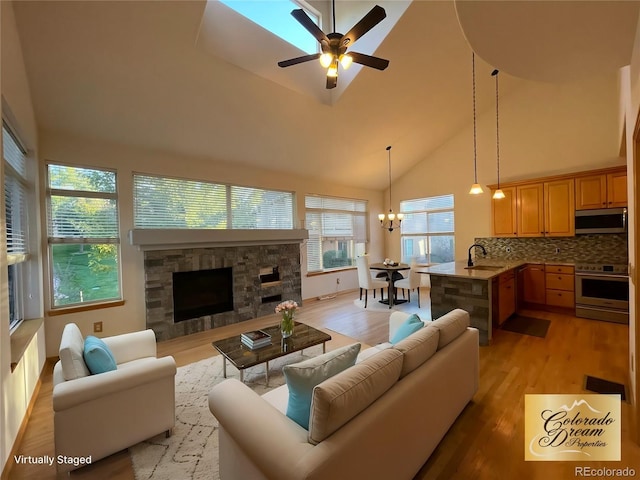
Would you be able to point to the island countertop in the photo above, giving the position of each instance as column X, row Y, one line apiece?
column 487, row 270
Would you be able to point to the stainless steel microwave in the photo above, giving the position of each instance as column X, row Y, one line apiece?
column 602, row 220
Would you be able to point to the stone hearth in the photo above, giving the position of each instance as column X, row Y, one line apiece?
column 251, row 297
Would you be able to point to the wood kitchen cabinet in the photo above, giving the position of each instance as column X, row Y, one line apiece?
column 506, row 295
column 601, row 191
column 503, row 214
column 546, row 209
column 560, row 286
column 533, row 280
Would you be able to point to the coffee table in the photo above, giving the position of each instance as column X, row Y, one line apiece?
column 242, row 357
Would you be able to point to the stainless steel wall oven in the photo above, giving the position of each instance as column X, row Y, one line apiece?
column 602, row 292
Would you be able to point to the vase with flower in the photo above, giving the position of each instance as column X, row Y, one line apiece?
column 287, row 309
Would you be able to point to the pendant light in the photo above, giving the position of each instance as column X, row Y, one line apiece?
column 498, row 194
column 387, row 221
column 475, row 188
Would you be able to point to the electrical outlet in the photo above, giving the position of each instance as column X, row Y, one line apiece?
column 508, row 249
column 97, row 327
column 338, row 281
column 557, row 250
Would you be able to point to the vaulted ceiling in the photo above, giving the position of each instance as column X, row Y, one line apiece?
column 136, row 72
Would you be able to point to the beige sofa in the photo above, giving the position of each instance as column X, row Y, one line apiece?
column 98, row 415
column 381, row 418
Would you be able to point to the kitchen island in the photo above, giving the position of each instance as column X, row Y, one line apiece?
column 454, row 285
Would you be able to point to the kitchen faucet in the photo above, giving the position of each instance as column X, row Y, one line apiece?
column 484, row 252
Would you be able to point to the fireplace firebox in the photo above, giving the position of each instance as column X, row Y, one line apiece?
column 202, row 292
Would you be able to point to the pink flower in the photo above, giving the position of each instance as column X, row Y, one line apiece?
column 287, row 306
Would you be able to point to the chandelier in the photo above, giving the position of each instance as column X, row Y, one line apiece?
column 388, row 221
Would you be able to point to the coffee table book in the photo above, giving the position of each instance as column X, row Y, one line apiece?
column 255, row 339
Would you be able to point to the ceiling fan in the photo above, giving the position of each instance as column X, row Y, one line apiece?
column 334, row 45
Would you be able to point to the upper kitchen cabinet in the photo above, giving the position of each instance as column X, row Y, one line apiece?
column 546, row 209
column 530, row 210
column 503, row 214
column 559, row 208
column 604, row 190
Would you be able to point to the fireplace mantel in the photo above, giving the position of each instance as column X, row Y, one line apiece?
column 163, row 239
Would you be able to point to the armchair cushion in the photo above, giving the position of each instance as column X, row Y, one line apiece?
column 71, row 353
column 98, row 356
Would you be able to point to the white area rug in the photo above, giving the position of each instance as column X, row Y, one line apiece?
column 192, row 451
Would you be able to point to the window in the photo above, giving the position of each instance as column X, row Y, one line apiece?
column 161, row 202
column 275, row 16
column 337, row 232
column 16, row 195
column 84, row 241
column 428, row 230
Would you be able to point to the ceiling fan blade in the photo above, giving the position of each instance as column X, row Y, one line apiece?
column 297, row 60
column 332, row 82
column 370, row 20
column 369, row 61
column 307, row 23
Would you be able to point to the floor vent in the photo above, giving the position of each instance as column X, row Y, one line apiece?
column 600, row 385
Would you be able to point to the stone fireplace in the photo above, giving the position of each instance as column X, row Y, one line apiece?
column 262, row 275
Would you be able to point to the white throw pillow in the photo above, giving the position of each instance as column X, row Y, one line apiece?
column 71, row 353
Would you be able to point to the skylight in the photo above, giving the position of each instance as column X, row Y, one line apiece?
column 275, row 16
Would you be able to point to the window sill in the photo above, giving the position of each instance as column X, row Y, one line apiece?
column 327, row 272
column 84, row 308
column 21, row 337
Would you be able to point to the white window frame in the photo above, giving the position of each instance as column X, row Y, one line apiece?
column 426, row 234
column 53, row 240
column 22, row 191
column 313, row 260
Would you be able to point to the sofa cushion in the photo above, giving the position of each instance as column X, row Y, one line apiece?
column 417, row 348
column 98, row 356
column 71, row 353
column 303, row 376
column 343, row 396
column 451, row 326
column 411, row 325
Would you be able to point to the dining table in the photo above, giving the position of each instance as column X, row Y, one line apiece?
column 392, row 271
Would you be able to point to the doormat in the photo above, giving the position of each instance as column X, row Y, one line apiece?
column 536, row 327
column 599, row 385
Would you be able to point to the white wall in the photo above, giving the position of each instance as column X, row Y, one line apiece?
column 545, row 129
column 65, row 148
column 630, row 108
column 17, row 387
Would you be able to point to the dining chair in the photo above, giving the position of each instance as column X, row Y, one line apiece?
column 366, row 281
column 410, row 282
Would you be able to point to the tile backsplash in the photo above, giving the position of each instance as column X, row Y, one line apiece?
column 608, row 248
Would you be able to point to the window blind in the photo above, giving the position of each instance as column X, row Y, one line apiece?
column 15, row 193
column 257, row 208
column 161, row 202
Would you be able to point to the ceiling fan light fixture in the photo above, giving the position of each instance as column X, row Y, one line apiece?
column 326, row 59
column 332, row 71
column 346, row 60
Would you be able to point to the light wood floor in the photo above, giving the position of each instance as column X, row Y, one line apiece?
column 487, row 440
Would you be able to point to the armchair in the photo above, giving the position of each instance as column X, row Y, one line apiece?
column 98, row 415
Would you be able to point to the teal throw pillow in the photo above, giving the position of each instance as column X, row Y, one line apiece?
column 302, row 377
column 98, row 356
column 411, row 325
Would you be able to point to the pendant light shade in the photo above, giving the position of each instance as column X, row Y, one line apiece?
column 498, row 194
column 475, row 188
column 388, row 221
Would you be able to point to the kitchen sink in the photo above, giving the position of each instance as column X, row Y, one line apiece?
column 485, row 267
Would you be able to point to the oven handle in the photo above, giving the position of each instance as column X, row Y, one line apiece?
column 592, row 275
